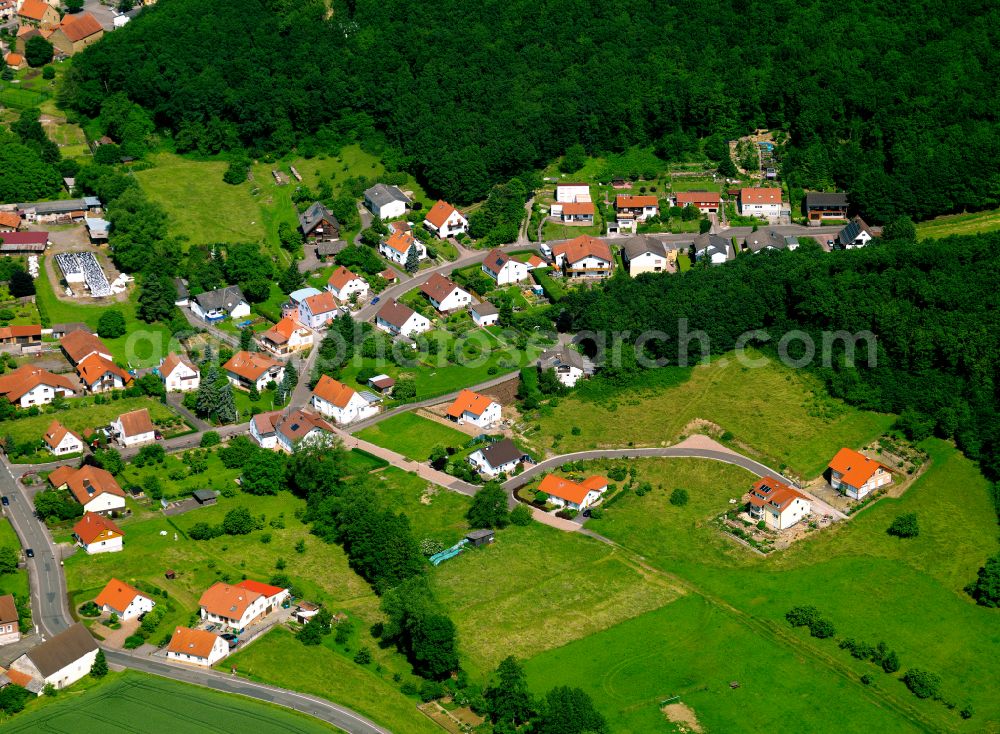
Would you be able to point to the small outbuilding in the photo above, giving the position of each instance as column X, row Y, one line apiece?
column 480, row 537
column 204, row 497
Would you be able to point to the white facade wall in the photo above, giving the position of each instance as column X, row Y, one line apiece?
column 572, row 194
column 182, row 379
column 112, row 545
column 220, row 649
column 647, row 262
column 478, row 461
column 487, row 320
column 351, row 287
column 453, row 301
column 256, row 609
column 41, row 395
column 104, row 503
column 9, row 632
column 69, row 445
column 767, row 211
column 489, row 416
column 592, row 497
column 139, row 605
column 512, row 272
column 357, row 408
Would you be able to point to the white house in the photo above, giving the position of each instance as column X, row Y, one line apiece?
column 343, row 284
column 274, row 596
column 219, row 304
column 61, row 660
column 196, row 647
column 854, row 474
column 571, row 193
column 397, row 247
column 572, row 495
column 500, row 457
column 639, row 208
column 62, row 441
column 397, row 319
column 179, row 374
column 102, row 375
column 247, row 369
column 444, row 295
column 855, row 234
column 341, row 403
column 574, row 212
column 444, row 220
column 93, row 487
column 286, row 337
column 318, row 311
column 777, row 504
column 713, row 248
column 584, row 257
column 643, row 254
column 119, row 598
column 760, row 202
column 133, row 428
column 568, row 365
column 10, row 629
column 29, row 385
column 290, row 309
column 484, row 314
column 235, row 607
column 97, row 534
column 279, row 432
column 471, row 407
column 504, row 269
column 385, row 201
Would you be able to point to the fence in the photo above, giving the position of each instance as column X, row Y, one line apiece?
column 21, row 98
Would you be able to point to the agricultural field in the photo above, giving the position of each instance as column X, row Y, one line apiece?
column 82, row 413
column 163, row 706
column 412, row 436
column 959, row 224
column 781, row 416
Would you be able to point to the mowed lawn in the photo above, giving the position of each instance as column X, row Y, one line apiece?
column 433, row 512
column 693, row 650
column 17, row 582
column 536, row 588
column 412, row 436
column 781, row 416
column 959, row 224
column 82, row 413
column 132, row 701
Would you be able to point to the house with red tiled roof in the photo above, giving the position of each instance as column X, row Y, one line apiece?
column 62, row 441
column 232, row 606
column 17, row 62
column 319, row 310
column 76, row 32
column 471, row 407
column 119, row 598
column 10, row 629
column 133, row 428
column 29, row 385
column 37, row 14
column 854, row 474
column 97, row 534
column 444, row 220
column 389, row 276
column 11, row 221
column 584, row 257
column 341, row 403
column 573, row 212
column 397, row 319
column 707, row 202
column 196, row 647
column 760, row 202
column 101, row 375
column 277, row 431
column 444, row 294
column 566, row 493
column 396, row 247
column 80, row 344
column 344, row 284
column 248, row 369
column 273, row 595
column 503, row 269
column 286, row 337
column 777, row 504
column 179, row 374
column 639, row 208
column 93, row 487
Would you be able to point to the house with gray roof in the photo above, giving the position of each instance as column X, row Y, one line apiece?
column 713, row 248
column 318, row 224
column 60, row 661
column 820, row 206
column 769, row 239
column 219, row 304
column 500, row 457
column 397, row 319
column 386, row 202
column 644, row 254
column 856, row 234
column 62, row 210
column 569, row 365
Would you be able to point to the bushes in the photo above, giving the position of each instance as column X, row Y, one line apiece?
column 922, row 683
column 808, row 616
column 522, row 515
column 90, row 609
column 133, row 641
column 905, row 526
column 679, row 497
column 986, row 588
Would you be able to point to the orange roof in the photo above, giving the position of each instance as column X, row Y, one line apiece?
column 578, row 207
column 94, row 367
column 80, row 26
column 469, row 402
column 224, row 600
column 11, row 219
column 56, row 433
column 341, row 277
column 336, row 393
column 535, row 262
column 583, row 246
column 136, row 422
column 172, row 361
column 261, row 588
column 770, row 195
column 569, row 490
column 771, row 491
column 187, row 641
column 628, row 201
column 33, row 9
column 389, row 274
column 15, row 60
column 89, row 482
column 78, row 344
column 282, row 331
column 117, row 595
column 18, row 678
column 20, row 330
column 696, row 197
column 59, row 475
column 438, row 287
column 249, row 365
column 439, row 213
column 322, row 303
column 26, row 377
column 400, row 241
column 854, row 467
column 93, row 527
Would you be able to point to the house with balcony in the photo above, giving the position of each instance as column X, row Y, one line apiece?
column 29, row 385
column 179, row 373
column 584, row 257
column 318, row 224
column 396, row 247
column 777, row 504
column 252, row 369
column 764, row 203
column 445, row 221
column 286, row 337
column 220, row 304
column 821, row 207
column 855, row 475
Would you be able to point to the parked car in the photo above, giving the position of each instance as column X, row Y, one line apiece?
column 5, row 501
column 212, row 628
column 157, row 435
column 231, row 639
column 29, row 552
column 375, row 300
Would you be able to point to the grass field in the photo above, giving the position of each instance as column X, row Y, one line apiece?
column 781, row 415
column 692, row 183
column 17, row 582
column 83, row 414
column 537, row 588
column 556, row 231
column 132, row 701
column 412, row 436
column 433, row 512
column 959, row 224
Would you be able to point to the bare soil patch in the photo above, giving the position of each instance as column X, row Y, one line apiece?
column 683, row 716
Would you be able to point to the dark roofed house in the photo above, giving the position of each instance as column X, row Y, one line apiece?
column 183, row 294
column 318, row 224
column 386, row 201
column 220, row 303
column 820, row 205
column 856, row 234
column 327, row 250
column 62, row 660
column 568, row 364
column 717, row 249
column 205, row 496
column 500, row 457
column 769, row 240
column 61, row 330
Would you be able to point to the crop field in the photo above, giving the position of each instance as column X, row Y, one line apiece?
column 135, row 702
column 959, row 224
column 412, row 436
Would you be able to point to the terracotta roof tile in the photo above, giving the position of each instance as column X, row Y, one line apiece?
column 94, row 367
column 341, row 277
column 684, row 198
column 249, row 365
column 261, row 588
column 438, row 287
column 225, row 600
column 399, row 241
column 187, row 641
column 583, row 246
column 627, row 201
column 92, row 526
column 11, row 219
column 27, row 377
column 80, row 26
column 569, row 490
column 56, row 433
column 117, row 595
column 172, row 361
column 771, row 195
column 334, row 392
column 439, row 213
column 136, row 422
column 469, row 402
column 856, row 468
column 78, row 344
column 322, row 303
column 88, row 482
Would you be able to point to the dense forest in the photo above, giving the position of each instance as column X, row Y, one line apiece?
column 895, row 104
column 933, row 306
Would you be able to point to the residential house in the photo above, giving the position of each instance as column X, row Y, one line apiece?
column 127, row 602
column 444, row 295
column 567, row 193
column 10, row 629
column 574, row 212
column 386, row 202
column 133, row 428
column 16, row 62
column 503, row 269
column 318, row 311
column 219, row 304
column 62, row 441
column 80, row 344
column 60, row 661
column 10, row 221
column 567, row 363
column 855, row 234
column 290, row 309
column 397, row 319
column 568, row 494
column 768, row 239
column 639, row 208
column 252, row 369
column 232, row 606
column 444, row 220
column 37, row 14
column 29, row 385
column 101, row 375
column 855, row 475
column 91, row 486
column 97, row 534
column 196, row 647
column 344, row 284
column 390, row 276
column 61, row 330
column 760, row 202
column 179, row 373
column 76, row 32
column 318, row 224
column 341, row 403
column 707, row 202
column 397, row 247
column 536, row 262
column 286, row 337
column 642, row 254
column 777, row 504
column 584, row 257
column 277, row 431
column 713, row 248
column 274, row 596
column 821, row 206
column 484, row 314
column 471, row 407
column 500, row 457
